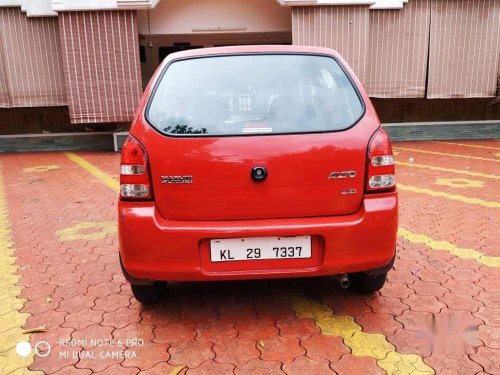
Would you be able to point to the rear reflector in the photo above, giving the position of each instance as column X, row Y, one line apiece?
column 383, row 160
column 134, row 190
column 131, row 169
column 382, row 181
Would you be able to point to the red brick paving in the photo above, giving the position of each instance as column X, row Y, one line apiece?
column 303, row 329
column 319, row 346
column 349, row 364
column 379, row 323
column 159, row 369
column 259, row 367
column 449, row 220
column 280, row 349
column 236, row 351
column 75, row 288
column 304, row 365
column 211, row 368
column 191, row 353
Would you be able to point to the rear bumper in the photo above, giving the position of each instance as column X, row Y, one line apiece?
column 152, row 248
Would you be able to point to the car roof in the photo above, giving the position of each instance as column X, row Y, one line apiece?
column 254, row 49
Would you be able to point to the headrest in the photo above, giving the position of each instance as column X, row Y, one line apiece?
column 286, row 107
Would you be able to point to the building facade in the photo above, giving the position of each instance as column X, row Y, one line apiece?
column 68, row 65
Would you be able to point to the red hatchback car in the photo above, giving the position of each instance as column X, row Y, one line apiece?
column 256, row 162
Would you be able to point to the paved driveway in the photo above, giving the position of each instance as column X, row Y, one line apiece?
column 61, row 284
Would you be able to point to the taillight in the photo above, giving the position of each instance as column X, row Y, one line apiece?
column 380, row 164
column 134, row 173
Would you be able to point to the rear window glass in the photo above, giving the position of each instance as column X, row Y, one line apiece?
column 254, row 94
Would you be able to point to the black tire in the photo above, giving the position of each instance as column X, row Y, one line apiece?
column 367, row 284
column 148, row 294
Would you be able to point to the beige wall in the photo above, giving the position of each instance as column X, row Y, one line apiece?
column 209, row 23
column 184, row 16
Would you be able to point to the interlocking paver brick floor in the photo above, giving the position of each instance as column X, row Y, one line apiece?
column 61, row 283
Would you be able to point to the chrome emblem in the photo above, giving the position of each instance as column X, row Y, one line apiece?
column 176, row 179
column 348, row 192
column 343, row 174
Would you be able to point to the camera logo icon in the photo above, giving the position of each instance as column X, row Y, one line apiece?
column 41, row 348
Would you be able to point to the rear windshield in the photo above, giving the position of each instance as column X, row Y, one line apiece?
column 254, row 94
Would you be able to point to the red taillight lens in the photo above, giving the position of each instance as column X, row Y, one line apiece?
column 380, row 163
column 134, row 173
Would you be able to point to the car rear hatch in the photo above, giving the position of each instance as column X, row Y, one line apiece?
column 219, row 118
column 210, row 179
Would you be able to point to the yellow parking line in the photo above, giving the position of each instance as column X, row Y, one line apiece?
column 99, row 230
column 454, row 197
column 461, row 183
column 446, row 154
column 96, row 172
column 490, row 261
column 361, row 343
column 11, row 319
column 467, row 145
column 441, row 169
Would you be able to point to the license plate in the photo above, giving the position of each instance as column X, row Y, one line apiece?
column 255, row 248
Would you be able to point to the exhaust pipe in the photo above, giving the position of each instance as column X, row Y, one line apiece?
column 344, row 281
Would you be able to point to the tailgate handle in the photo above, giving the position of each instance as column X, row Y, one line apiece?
column 259, row 174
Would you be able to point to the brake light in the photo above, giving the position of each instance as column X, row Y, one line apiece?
column 381, row 173
column 134, row 173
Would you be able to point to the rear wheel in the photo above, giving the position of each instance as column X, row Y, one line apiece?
column 363, row 283
column 147, row 294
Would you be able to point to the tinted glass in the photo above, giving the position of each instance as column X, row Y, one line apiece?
column 249, row 94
